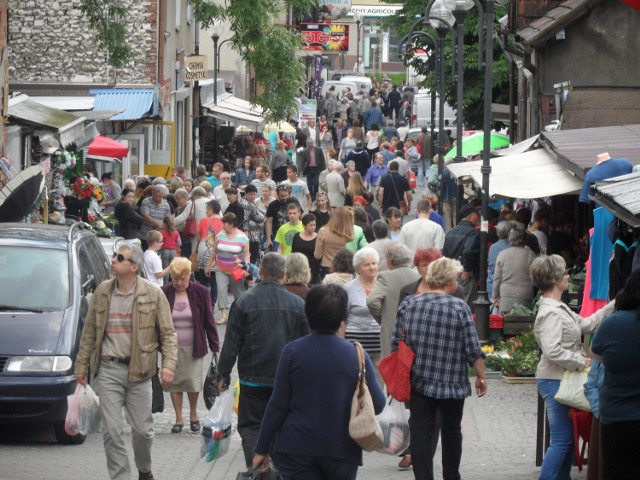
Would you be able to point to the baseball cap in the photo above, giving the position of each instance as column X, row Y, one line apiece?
column 467, row 210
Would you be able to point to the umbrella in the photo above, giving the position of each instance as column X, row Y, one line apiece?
column 107, row 147
column 20, row 195
column 280, row 127
column 475, row 144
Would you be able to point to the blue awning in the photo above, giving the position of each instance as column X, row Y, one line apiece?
column 135, row 103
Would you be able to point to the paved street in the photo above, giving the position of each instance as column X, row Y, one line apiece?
column 499, row 444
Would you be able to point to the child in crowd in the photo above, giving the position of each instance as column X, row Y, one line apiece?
column 171, row 243
column 152, row 263
column 285, row 234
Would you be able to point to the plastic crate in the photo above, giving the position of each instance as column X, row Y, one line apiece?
column 496, row 322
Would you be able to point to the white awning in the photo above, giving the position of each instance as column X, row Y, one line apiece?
column 516, row 148
column 235, row 110
column 533, row 174
column 72, row 103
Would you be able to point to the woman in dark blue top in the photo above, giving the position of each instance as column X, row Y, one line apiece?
column 310, row 406
column 617, row 345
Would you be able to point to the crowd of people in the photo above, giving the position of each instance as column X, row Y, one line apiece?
column 298, row 268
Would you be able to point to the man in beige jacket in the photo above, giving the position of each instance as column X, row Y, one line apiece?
column 128, row 320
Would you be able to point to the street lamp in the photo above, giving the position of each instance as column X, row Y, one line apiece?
column 216, row 31
column 218, row 53
column 358, row 17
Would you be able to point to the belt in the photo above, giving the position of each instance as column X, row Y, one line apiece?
column 122, row 361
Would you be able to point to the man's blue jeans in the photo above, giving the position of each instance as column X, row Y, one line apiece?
column 423, row 166
column 558, row 459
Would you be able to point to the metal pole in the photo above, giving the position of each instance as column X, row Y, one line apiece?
column 482, row 302
column 215, row 95
column 512, row 102
column 442, row 33
column 358, row 46
column 459, row 16
column 196, row 110
column 433, row 111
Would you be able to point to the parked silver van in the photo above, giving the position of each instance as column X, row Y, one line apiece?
column 421, row 112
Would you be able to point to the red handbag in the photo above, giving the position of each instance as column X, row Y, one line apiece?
column 190, row 228
column 395, row 370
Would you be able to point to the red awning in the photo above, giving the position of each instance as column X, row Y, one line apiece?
column 107, row 147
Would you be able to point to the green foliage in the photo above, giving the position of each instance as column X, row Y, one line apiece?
column 270, row 49
column 107, row 18
column 473, row 106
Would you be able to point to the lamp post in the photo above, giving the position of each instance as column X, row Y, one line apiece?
column 358, row 17
column 216, row 30
column 218, row 54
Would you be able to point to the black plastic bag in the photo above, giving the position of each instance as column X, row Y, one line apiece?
column 210, row 387
column 157, row 397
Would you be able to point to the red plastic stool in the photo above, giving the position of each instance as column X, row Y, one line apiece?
column 581, row 421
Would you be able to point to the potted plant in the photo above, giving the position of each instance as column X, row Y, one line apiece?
column 515, row 357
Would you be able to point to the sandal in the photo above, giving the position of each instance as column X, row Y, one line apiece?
column 195, row 426
column 405, row 463
column 177, row 428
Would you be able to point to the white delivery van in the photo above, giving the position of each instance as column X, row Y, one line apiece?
column 421, row 112
column 354, row 83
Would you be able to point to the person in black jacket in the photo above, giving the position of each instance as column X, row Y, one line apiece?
column 129, row 221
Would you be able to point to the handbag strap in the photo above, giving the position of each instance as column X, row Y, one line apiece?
column 193, row 207
column 361, row 373
column 394, row 187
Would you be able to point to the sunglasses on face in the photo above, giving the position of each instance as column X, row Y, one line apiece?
column 121, row 258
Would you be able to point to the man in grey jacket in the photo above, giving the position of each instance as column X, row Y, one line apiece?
column 261, row 322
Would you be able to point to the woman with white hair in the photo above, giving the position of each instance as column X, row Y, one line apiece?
column 361, row 326
column 297, row 274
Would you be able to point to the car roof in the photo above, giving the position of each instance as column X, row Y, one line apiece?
column 54, row 235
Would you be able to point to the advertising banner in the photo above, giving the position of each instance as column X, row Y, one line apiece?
column 334, row 9
column 317, row 75
column 332, row 37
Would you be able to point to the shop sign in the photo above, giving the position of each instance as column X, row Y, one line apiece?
column 375, row 10
column 196, row 68
column 334, row 9
column 325, row 36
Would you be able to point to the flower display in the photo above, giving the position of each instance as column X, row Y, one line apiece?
column 516, row 356
column 63, row 159
column 86, row 189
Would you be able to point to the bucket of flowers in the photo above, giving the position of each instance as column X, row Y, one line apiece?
column 516, row 358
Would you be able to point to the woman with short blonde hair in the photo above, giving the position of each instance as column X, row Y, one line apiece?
column 297, row 274
column 442, row 272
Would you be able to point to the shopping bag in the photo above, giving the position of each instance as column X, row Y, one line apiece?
column 571, row 391
column 83, row 413
column 216, row 431
column 210, row 387
column 157, row 394
column 395, row 370
column 271, row 474
column 394, row 423
column 363, row 427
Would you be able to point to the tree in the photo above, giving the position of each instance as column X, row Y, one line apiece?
column 270, row 49
column 473, row 106
column 105, row 17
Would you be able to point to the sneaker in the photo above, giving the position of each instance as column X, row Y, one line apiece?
column 145, row 476
column 405, row 463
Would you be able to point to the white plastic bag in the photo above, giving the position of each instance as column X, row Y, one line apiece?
column 394, row 422
column 216, row 431
column 571, row 391
column 83, row 413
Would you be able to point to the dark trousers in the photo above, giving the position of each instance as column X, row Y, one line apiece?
column 422, row 425
column 185, row 248
column 313, row 181
column 210, row 282
column 251, row 406
column 620, row 449
column 308, row 467
column 254, row 252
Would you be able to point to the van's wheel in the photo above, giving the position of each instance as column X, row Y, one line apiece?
column 64, row 438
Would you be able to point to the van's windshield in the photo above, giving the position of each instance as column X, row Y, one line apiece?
column 33, row 278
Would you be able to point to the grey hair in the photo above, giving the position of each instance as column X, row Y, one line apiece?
column 364, row 253
column 199, row 191
column 201, row 169
column 503, row 228
column 337, row 167
column 297, row 269
column 398, row 254
column 546, row 270
column 137, row 255
column 273, row 266
column 350, row 163
column 182, row 193
column 442, row 272
column 380, row 229
column 157, row 187
column 159, row 181
column 518, row 236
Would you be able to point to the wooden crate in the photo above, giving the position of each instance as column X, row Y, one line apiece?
column 517, row 324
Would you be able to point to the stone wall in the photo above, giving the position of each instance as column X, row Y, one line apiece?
column 51, row 42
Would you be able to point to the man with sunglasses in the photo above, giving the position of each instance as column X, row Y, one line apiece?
column 277, row 213
column 129, row 318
